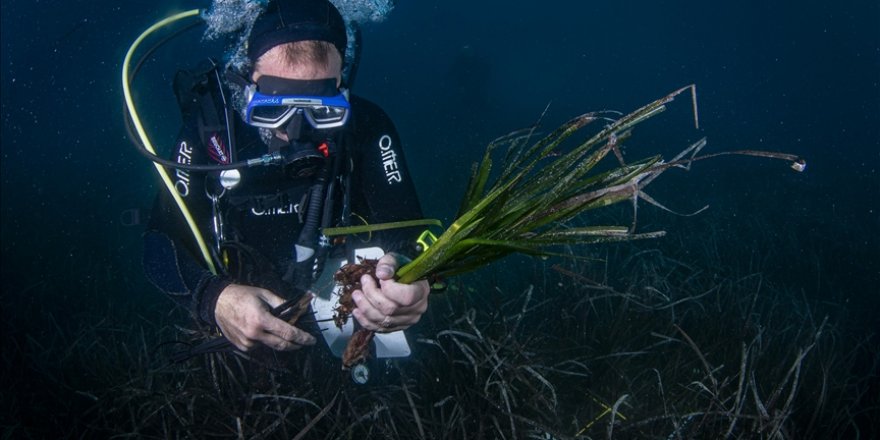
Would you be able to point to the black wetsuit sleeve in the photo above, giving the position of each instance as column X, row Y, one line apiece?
column 382, row 188
column 172, row 259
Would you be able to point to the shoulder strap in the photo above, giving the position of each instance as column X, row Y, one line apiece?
column 203, row 106
column 202, row 100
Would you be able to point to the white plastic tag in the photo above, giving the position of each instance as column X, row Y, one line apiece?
column 388, row 345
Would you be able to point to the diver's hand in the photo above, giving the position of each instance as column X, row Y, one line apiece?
column 243, row 315
column 390, row 306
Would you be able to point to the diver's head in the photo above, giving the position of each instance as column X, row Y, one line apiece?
column 299, row 39
column 296, row 48
column 291, row 21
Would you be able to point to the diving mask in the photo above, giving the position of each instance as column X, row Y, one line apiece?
column 273, row 102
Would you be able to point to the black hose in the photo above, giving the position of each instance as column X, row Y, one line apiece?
column 313, row 214
column 327, row 215
column 129, row 123
column 301, row 270
column 189, row 167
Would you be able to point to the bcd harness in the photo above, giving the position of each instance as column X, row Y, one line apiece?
column 200, row 94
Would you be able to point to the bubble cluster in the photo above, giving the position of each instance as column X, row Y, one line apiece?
column 351, row 51
column 363, row 11
column 229, row 16
column 234, row 19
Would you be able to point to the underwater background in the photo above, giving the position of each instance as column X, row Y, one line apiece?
column 757, row 318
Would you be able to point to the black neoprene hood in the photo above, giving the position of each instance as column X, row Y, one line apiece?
column 287, row 21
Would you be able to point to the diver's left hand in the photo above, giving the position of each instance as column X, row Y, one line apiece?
column 389, row 306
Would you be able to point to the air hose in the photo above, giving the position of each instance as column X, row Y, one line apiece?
column 145, row 140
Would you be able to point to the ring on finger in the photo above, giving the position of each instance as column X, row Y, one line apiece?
column 386, row 323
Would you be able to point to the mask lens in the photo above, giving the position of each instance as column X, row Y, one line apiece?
column 326, row 116
column 272, row 114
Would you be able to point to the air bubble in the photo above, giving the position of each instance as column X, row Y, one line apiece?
column 234, row 19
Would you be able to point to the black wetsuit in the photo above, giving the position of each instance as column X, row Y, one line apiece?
column 263, row 215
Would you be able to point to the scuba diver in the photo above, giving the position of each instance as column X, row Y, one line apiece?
column 333, row 159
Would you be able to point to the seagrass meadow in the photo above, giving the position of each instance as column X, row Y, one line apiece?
column 653, row 342
column 746, row 309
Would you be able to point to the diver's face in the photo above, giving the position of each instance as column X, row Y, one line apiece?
column 273, row 63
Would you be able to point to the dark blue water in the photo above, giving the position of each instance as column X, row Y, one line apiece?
column 797, row 77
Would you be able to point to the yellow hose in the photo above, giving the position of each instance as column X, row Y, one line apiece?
column 126, row 90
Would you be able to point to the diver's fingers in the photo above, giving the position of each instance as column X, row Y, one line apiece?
column 392, row 298
column 277, row 343
column 389, row 306
column 387, row 266
column 238, row 339
column 270, row 298
column 244, row 317
column 372, row 307
column 238, row 313
column 277, row 328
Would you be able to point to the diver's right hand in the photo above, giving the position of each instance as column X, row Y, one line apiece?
column 243, row 315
